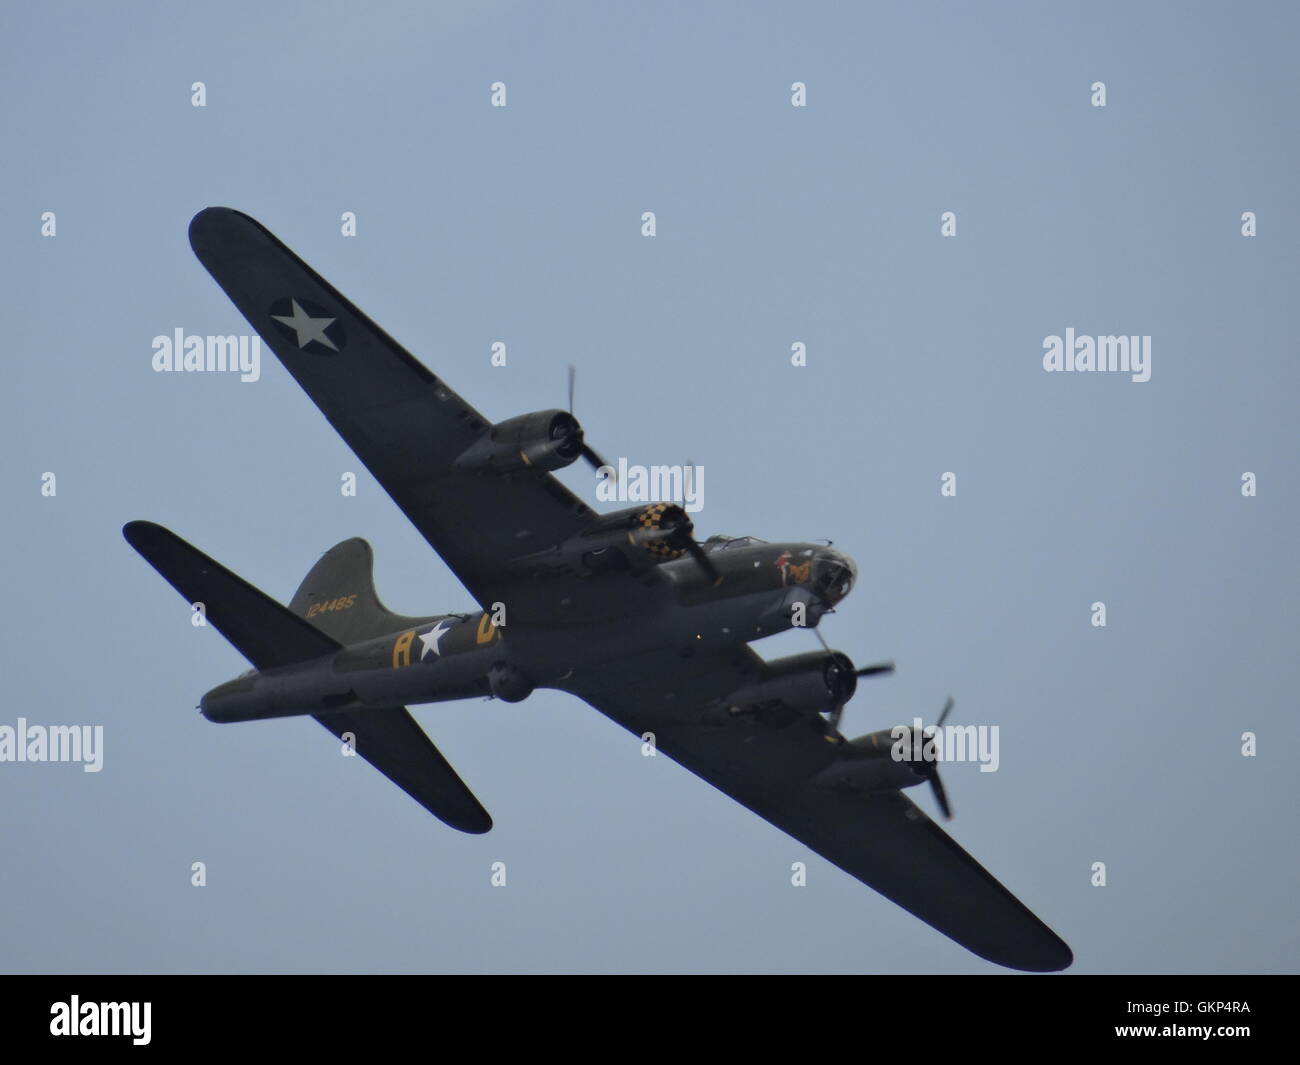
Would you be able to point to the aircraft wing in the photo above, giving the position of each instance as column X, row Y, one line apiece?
column 406, row 425
column 884, row 839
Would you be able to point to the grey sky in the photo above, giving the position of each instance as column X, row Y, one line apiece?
column 775, row 225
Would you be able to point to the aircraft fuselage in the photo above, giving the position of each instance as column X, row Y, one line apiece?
column 761, row 589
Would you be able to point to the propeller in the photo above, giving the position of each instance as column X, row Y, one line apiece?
column 675, row 531
column 837, row 711
column 702, row 559
column 929, row 769
column 588, row 452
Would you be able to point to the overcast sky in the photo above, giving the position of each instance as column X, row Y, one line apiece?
column 775, row 225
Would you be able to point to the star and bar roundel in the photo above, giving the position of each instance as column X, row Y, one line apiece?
column 309, row 326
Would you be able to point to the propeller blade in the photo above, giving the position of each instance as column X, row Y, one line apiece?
column 932, row 768
column 940, row 796
column 879, row 667
column 589, row 453
column 702, row 560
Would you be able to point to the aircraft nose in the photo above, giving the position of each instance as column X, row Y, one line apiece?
column 833, row 575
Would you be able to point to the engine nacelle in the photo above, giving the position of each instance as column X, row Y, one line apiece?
column 878, row 761
column 635, row 538
column 659, row 530
column 545, row 440
column 800, row 686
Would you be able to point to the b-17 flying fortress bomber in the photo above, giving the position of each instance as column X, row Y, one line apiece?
column 626, row 610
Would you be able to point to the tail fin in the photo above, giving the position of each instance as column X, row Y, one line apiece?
column 338, row 596
column 263, row 631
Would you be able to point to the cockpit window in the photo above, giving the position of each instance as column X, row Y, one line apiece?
column 725, row 543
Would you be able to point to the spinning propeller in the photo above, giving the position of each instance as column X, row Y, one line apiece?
column 675, row 530
column 701, row 556
column 926, row 769
column 588, row 452
column 667, row 531
column 846, row 670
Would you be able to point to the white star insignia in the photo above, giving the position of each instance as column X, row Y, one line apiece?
column 430, row 639
column 307, row 327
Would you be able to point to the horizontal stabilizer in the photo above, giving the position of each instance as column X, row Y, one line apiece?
column 270, row 635
column 267, row 634
column 392, row 741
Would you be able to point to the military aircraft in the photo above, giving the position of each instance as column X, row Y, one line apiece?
column 626, row 610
